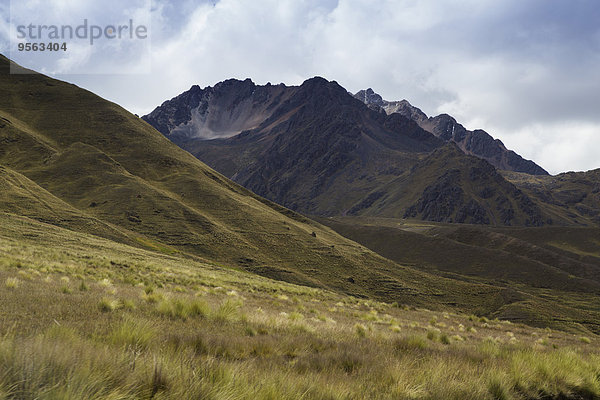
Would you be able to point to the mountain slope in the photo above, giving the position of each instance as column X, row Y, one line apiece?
column 476, row 143
column 21, row 196
column 448, row 186
column 499, row 255
column 70, row 155
column 87, row 318
column 571, row 195
column 97, row 157
column 550, row 275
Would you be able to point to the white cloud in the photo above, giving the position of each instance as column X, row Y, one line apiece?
column 562, row 146
column 4, row 28
column 76, row 59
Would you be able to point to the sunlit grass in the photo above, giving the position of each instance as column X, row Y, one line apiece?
column 12, row 283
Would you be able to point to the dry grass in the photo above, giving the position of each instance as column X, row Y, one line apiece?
column 173, row 328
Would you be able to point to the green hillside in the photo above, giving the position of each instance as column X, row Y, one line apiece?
column 131, row 270
column 106, row 162
column 21, row 196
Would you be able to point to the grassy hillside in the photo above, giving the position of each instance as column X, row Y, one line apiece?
column 106, row 162
column 570, row 196
column 77, row 161
column 85, row 317
column 21, row 196
column 124, row 274
column 547, row 276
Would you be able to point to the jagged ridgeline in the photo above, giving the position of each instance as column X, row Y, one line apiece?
column 477, row 143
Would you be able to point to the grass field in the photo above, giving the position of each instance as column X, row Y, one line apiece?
column 85, row 317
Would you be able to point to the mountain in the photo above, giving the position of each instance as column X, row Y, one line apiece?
column 225, row 110
column 318, row 150
column 74, row 160
column 477, row 143
column 313, row 141
column 575, row 195
column 448, row 186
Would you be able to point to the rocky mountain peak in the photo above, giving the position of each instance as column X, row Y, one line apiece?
column 318, row 86
column 220, row 111
column 370, row 97
column 477, row 142
column 318, row 149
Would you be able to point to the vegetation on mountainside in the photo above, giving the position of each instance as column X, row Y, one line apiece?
column 570, row 195
column 124, row 274
column 101, row 170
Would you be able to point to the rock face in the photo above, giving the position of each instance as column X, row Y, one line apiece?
column 476, row 143
column 222, row 111
column 319, row 150
column 403, row 107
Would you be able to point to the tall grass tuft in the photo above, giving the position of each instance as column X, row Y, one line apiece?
column 498, row 389
column 410, row 343
column 361, row 330
column 133, row 334
column 12, row 283
column 182, row 309
column 228, row 310
column 108, row 305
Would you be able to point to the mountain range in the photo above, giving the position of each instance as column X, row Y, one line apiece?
column 319, row 150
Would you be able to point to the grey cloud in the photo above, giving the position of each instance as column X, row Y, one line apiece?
column 515, row 68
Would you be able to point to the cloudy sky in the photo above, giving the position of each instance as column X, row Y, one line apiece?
column 528, row 72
